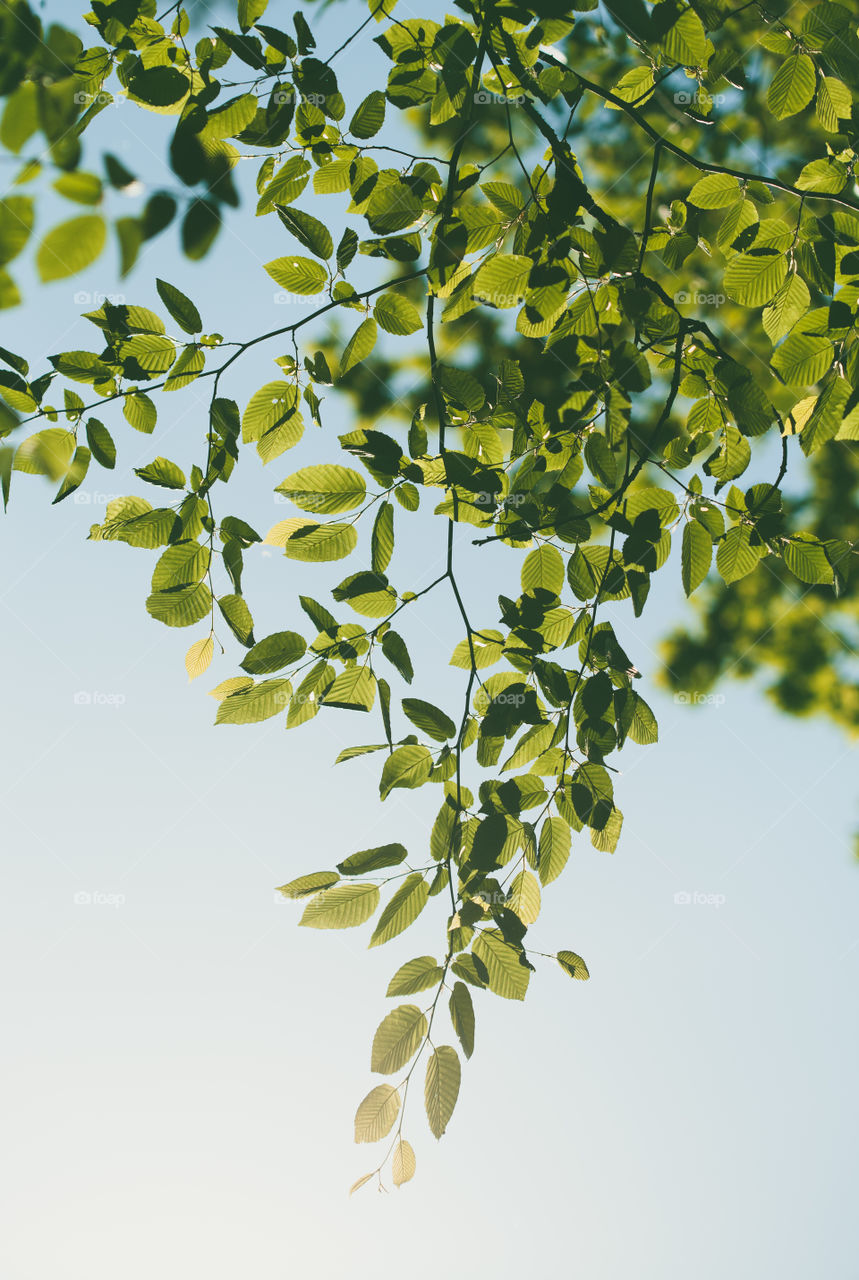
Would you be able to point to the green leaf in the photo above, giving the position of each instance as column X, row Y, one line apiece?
column 792, row 87
column 233, row 685
column 829, row 176
column 382, row 539
column 272, row 406
column 572, row 964
column 376, row 1115
column 274, row 653
column 250, row 11
column 735, row 557
column 806, row 559
column 385, row 855
column 231, row 119
column 153, row 352
column 396, row 314
column 46, row 453
column 791, row 302
column 140, row 412
column 506, row 198
column 286, row 185
column 553, row 849
column 180, row 606
column 159, row 86
column 354, row 690
column 359, row 345
column 408, row 766
column 414, row 976
column 696, row 554
column 732, row 457
column 544, row 568
column 101, row 443
column 298, row 275
column 397, row 1039
column 250, row 706
column 187, row 368
column 332, row 177
column 343, row 907
column 715, row 191
column 523, row 897
column 75, row 475
column 369, row 117
column 133, row 520
column 346, row 249
column 70, row 247
column 429, row 719
column 488, row 646
column 503, row 280
column 834, row 103
column 369, row 594
column 181, row 308
column 462, row 1016
column 471, row 970
column 405, row 906
column 392, row 207
column 309, row 231
column 352, row 753
column 81, row 366
column 394, row 649
column 17, row 215
column 238, row 618
column 306, row 886
column 507, row 977
column 643, row 728
column 754, row 278
column 820, row 418
column 325, row 488
column 682, row 33
column 803, row 358
column 441, row 1088
column 163, row 472
column 315, row 543
column 180, row 565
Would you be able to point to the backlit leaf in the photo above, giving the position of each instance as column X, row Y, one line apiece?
column 441, row 1088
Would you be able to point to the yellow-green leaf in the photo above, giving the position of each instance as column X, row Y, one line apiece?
column 345, row 906
column 397, row 1039
column 441, row 1088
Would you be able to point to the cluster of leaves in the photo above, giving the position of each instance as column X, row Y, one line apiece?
column 600, row 419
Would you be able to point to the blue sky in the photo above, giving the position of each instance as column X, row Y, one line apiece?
column 183, row 1063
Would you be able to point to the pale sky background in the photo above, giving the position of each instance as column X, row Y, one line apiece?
column 183, row 1063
